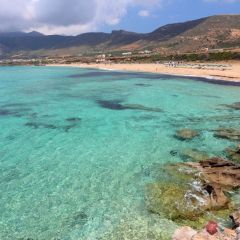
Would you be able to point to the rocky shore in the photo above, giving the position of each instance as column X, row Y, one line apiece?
column 200, row 191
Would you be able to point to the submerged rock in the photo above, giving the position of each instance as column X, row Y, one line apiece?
column 235, row 106
column 117, row 105
column 186, row 134
column 78, row 219
column 194, row 155
column 228, row 133
column 73, row 119
column 37, row 125
column 234, row 154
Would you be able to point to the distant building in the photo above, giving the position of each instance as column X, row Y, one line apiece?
column 127, row 53
column 101, row 58
column 145, row 52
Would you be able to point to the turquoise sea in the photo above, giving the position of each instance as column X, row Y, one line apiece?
column 78, row 145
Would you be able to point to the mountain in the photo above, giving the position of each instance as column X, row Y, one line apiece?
column 211, row 32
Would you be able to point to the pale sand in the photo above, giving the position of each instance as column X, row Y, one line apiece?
column 232, row 73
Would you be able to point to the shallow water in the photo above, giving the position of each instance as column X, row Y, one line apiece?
column 78, row 145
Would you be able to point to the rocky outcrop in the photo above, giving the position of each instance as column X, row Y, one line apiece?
column 191, row 189
column 228, row 133
column 219, row 173
column 186, row 134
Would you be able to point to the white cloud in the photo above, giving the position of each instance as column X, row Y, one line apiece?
column 66, row 16
column 144, row 13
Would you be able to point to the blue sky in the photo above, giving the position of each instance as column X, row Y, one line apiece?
column 71, row 17
column 174, row 11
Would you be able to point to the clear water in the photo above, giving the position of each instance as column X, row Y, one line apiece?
column 74, row 166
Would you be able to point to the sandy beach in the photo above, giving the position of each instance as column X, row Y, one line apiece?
column 229, row 72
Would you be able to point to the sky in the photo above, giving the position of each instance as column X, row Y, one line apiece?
column 72, row 17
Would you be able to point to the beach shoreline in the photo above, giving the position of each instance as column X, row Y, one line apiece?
column 230, row 74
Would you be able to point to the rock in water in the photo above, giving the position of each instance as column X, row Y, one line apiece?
column 235, row 106
column 189, row 190
column 194, row 155
column 228, row 133
column 186, row 134
column 234, row 154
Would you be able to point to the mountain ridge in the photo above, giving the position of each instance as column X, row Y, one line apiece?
column 213, row 31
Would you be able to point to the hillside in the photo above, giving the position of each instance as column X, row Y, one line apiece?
column 211, row 32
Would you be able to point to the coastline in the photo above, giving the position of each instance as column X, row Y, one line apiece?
column 231, row 74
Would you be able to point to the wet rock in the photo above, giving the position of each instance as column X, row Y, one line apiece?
column 235, row 217
column 234, row 154
column 219, row 176
column 194, row 155
column 228, row 133
column 186, row 134
column 170, row 201
column 219, row 172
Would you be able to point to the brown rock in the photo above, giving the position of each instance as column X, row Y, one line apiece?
column 219, row 176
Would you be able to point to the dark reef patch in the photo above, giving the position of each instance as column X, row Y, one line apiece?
column 69, row 127
column 143, row 85
column 14, row 111
column 79, row 219
column 73, row 119
column 150, row 76
column 41, row 125
column 112, row 104
column 174, row 153
column 234, row 106
column 37, row 125
column 117, row 105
